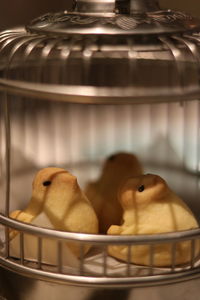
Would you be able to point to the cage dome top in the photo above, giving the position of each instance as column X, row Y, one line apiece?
column 104, row 51
column 114, row 17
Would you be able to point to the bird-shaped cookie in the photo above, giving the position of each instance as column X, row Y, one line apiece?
column 150, row 207
column 103, row 193
column 57, row 195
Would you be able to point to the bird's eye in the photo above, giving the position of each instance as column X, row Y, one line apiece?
column 141, row 189
column 47, row 183
column 112, row 157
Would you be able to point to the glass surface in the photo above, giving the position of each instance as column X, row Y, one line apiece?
column 81, row 137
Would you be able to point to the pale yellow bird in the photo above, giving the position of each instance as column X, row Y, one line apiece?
column 57, row 195
column 150, row 207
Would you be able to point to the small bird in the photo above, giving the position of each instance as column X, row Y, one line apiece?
column 103, row 193
column 56, row 194
column 150, row 207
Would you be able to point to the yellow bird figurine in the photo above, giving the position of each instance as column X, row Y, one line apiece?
column 57, row 195
column 150, row 207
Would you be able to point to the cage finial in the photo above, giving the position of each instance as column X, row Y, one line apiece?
column 121, row 6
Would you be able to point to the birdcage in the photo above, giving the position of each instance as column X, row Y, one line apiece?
column 79, row 86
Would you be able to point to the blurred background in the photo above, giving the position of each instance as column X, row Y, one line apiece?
column 18, row 12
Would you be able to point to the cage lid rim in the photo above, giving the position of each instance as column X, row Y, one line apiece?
column 97, row 95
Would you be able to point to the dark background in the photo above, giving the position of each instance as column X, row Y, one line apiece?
column 18, row 12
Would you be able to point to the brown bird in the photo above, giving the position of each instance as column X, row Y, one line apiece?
column 103, row 193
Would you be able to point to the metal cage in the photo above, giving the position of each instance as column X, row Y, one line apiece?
column 76, row 87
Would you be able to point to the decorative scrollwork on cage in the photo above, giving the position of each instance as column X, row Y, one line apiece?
column 121, row 21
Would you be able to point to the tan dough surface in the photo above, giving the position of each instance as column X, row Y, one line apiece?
column 103, row 193
column 150, row 207
column 62, row 201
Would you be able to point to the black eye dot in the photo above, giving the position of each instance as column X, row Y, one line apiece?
column 46, row 183
column 141, row 188
column 112, row 157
